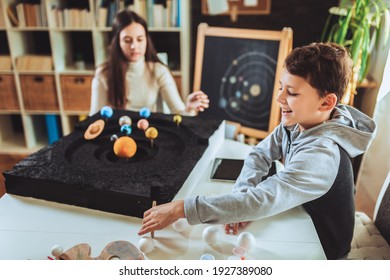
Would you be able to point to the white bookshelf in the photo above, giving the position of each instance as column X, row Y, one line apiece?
column 23, row 129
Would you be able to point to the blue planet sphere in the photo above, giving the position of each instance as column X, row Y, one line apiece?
column 106, row 112
column 126, row 129
column 144, row 112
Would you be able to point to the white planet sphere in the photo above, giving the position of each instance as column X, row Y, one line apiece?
column 246, row 240
column 146, row 244
column 57, row 251
column 207, row 257
column 211, row 235
column 181, row 225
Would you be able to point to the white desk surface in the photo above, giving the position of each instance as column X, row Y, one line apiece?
column 30, row 227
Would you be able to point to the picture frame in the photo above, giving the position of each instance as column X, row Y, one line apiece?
column 239, row 7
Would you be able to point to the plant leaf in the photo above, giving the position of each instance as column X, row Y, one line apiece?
column 344, row 24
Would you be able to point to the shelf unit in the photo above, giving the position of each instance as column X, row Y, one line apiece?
column 28, row 97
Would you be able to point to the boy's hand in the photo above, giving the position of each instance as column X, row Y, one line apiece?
column 161, row 216
column 234, row 227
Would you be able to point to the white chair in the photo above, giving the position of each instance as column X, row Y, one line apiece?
column 372, row 237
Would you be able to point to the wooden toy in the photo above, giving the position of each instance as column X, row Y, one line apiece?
column 122, row 250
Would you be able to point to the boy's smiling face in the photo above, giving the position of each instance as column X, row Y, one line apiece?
column 300, row 103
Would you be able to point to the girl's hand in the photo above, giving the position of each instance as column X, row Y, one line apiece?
column 197, row 101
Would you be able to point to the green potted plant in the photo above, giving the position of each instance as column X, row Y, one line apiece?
column 355, row 25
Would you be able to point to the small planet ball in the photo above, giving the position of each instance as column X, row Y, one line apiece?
column 144, row 112
column 125, row 120
column 146, row 244
column 211, row 235
column 126, row 129
column 57, row 251
column 151, row 133
column 106, row 112
column 125, row 147
column 207, row 257
column 181, row 225
column 255, row 90
column 114, row 137
column 177, row 119
column 143, row 124
column 246, row 240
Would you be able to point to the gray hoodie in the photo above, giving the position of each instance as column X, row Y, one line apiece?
column 312, row 163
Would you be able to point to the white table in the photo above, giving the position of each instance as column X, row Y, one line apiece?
column 30, row 227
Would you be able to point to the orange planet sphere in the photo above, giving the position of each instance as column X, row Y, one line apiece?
column 125, row 147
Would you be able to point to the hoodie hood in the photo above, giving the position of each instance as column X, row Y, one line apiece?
column 348, row 127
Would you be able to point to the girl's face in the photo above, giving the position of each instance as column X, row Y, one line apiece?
column 299, row 101
column 132, row 40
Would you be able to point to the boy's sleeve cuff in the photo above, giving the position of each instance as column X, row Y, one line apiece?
column 190, row 210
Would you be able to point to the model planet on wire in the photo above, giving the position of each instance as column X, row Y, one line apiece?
column 125, row 147
column 143, row 124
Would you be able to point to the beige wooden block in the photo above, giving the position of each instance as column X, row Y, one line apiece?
column 5, row 62
column 34, row 63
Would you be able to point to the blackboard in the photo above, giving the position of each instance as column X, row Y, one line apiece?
column 239, row 69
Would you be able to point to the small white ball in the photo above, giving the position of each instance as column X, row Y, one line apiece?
column 146, row 244
column 246, row 240
column 181, row 225
column 57, row 251
column 207, row 257
column 211, row 235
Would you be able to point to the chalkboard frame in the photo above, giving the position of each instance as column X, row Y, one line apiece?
column 285, row 45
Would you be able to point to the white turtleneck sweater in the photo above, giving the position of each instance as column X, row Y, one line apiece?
column 141, row 89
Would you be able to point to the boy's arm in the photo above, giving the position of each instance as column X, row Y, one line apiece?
column 259, row 161
column 308, row 176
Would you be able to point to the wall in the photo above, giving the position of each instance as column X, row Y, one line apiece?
column 376, row 161
column 306, row 18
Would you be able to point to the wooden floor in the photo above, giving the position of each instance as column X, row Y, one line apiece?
column 8, row 161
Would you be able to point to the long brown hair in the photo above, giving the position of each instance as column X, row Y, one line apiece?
column 116, row 65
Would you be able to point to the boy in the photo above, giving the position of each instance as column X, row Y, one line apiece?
column 316, row 139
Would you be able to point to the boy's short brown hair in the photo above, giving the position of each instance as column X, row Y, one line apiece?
column 327, row 67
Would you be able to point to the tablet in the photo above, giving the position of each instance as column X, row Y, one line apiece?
column 226, row 170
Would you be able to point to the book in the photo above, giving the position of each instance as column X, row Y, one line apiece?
column 11, row 12
column 149, row 13
column 53, row 128
column 102, row 18
column 2, row 20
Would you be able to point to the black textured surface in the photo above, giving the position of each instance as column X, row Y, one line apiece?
column 88, row 174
